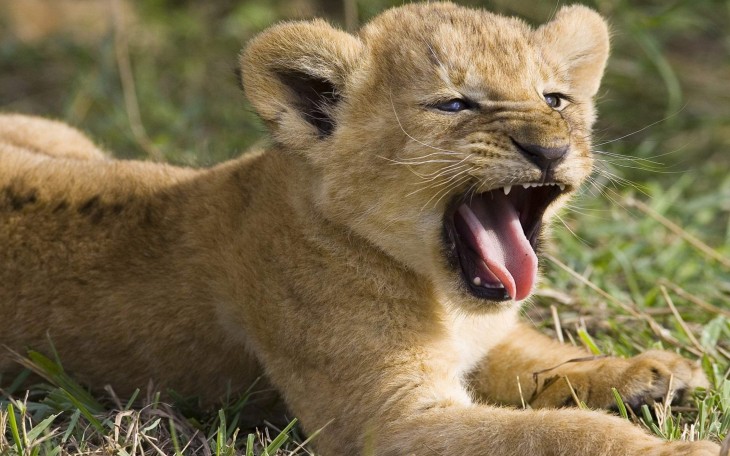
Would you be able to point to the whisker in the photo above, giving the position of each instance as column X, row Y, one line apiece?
column 447, row 153
column 430, row 177
column 443, row 182
column 639, row 161
column 470, row 168
column 615, row 178
column 608, row 194
column 445, row 191
column 626, row 157
column 653, row 169
column 436, row 174
column 397, row 162
column 575, row 235
column 641, row 129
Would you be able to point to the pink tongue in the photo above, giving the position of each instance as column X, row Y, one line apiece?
column 501, row 243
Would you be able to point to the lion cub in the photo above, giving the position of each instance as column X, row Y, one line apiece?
column 369, row 264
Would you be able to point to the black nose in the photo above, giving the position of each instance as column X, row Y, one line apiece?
column 543, row 157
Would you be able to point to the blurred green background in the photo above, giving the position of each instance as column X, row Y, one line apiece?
column 663, row 134
column 670, row 64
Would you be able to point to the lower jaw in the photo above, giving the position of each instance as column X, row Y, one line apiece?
column 471, row 303
column 493, row 294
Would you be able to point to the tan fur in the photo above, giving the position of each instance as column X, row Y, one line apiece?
column 318, row 263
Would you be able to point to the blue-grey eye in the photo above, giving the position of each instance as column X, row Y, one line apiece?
column 554, row 100
column 454, row 105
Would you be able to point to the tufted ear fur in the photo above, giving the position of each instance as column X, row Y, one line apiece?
column 578, row 37
column 294, row 74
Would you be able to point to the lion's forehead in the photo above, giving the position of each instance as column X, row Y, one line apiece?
column 473, row 51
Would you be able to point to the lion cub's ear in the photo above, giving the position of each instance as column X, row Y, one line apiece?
column 578, row 37
column 294, row 74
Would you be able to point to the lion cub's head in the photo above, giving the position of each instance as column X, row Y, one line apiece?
column 444, row 135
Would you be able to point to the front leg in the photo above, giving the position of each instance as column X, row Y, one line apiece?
column 547, row 370
column 415, row 408
column 484, row 430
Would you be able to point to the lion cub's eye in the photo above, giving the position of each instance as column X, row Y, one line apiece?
column 554, row 100
column 454, row 105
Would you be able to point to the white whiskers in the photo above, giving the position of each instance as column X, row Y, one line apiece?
column 442, row 181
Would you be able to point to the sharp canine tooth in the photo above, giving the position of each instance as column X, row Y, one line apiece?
column 562, row 187
column 477, row 281
column 507, row 189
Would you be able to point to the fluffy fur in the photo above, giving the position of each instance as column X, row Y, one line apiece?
column 319, row 263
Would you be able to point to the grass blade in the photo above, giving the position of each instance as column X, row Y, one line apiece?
column 71, row 425
column 84, row 411
column 588, row 341
column 249, row 445
column 280, row 439
column 620, row 404
column 40, row 427
column 14, row 429
column 174, row 438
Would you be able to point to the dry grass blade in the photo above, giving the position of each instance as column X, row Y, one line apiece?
column 694, row 299
column 688, row 332
column 3, row 431
column 152, row 444
column 522, row 396
column 556, row 321
column 679, row 231
column 629, row 308
column 121, row 47
column 577, row 401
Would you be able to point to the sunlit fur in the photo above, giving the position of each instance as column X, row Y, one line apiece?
column 318, row 263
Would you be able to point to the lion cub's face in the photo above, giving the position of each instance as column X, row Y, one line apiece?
column 444, row 135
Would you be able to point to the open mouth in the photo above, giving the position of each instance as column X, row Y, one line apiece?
column 492, row 237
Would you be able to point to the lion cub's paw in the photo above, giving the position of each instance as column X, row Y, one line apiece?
column 643, row 379
column 648, row 376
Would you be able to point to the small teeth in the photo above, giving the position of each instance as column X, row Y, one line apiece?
column 508, row 188
column 478, row 282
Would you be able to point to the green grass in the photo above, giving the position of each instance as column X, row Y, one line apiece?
column 621, row 278
column 60, row 417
